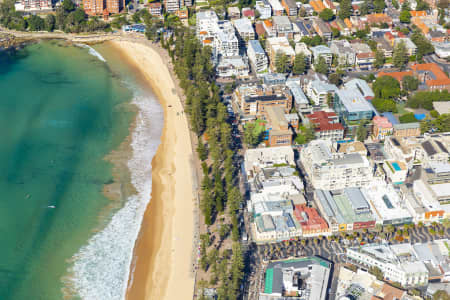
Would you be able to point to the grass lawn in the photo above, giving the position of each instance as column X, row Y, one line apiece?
column 401, row 109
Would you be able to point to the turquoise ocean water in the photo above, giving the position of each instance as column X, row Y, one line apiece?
column 62, row 110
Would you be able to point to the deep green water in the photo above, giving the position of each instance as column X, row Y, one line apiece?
column 61, row 111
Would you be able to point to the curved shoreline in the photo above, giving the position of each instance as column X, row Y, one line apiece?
column 162, row 266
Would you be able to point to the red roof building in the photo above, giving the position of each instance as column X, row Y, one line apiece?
column 310, row 220
column 326, row 125
column 432, row 75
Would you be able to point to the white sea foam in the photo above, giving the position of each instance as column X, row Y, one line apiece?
column 101, row 268
column 92, row 51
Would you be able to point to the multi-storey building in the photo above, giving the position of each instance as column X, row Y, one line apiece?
column 278, row 132
column 206, row 25
column 257, row 56
column 399, row 263
column 326, row 125
column 351, row 106
column 254, row 100
column 283, row 26
column 277, row 45
column 264, row 9
column 94, row 7
column 381, row 128
column 245, row 30
column 322, row 29
column 322, row 51
column 344, row 52
column 345, row 209
column 303, row 278
column 171, row 6
column 330, row 170
column 290, row 6
column 277, row 8
column 155, row 9
column 319, row 91
column 302, row 48
column 233, row 67
column 30, row 5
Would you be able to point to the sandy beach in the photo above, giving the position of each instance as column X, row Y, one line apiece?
column 163, row 260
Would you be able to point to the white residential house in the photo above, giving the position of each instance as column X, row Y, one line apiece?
column 244, row 28
column 233, row 67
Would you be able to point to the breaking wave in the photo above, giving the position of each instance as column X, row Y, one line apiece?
column 92, row 51
column 102, row 267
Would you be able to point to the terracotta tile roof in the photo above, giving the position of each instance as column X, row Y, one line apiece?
column 441, row 77
column 309, row 218
column 322, row 121
column 418, row 13
column 365, row 55
column 397, row 75
column 390, row 293
column 348, row 23
column 268, row 23
column 334, row 25
column 379, row 18
column 329, row 4
column 317, row 5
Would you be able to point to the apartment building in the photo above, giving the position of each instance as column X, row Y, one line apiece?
column 283, row 26
column 322, row 29
column 233, row 12
column 264, row 9
column 344, row 52
column 225, row 41
column 278, row 132
column 155, row 9
column 229, row 67
column 277, row 45
column 326, row 125
column 386, row 204
column 206, row 25
column 171, row 6
column 399, row 263
column 301, row 102
column 381, row 128
column 411, row 48
column 245, row 31
column 396, row 171
column 254, row 100
column 260, row 158
column 431, row 77
column 318, row 91
column 322, row 51
column 421, row 150
column 345, row 209
column 257, row 56
column 277, row 8
column 329, row 170
column 290, row 6
column 36, row 5
column 302, row 48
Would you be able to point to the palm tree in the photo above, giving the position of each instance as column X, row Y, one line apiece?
column 420, row 224
column 432, row 231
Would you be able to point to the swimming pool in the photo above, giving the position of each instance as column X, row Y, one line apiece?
column 396, row 166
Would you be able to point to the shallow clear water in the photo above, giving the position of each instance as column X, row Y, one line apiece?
column 61, row 111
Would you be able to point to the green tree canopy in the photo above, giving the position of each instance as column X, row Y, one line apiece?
column 321, row 66
column 282, row 62
column 405, row 16
column 400, row 56
column 299, row 64
column 379, row 59
column 345, row 9
column 407, row 118
column 386, row 87
column 326, row 14
column 253, row 133
column 410, row 83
